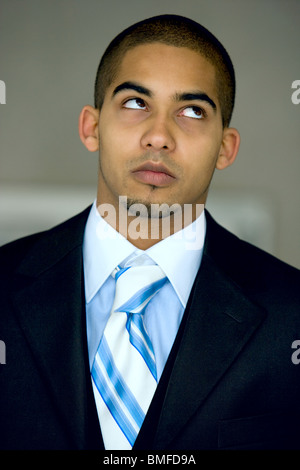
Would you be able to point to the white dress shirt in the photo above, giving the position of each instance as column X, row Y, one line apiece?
column 178, row 255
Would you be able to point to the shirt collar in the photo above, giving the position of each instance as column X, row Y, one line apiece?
column 179, row 255
column 103, row 249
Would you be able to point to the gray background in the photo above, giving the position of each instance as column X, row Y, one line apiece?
column 49, row 53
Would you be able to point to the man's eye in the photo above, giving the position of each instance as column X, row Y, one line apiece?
column 193, row 112
column 135, row 103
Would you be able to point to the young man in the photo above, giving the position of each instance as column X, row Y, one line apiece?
column 222, row 331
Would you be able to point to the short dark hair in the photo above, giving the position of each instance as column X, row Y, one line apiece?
column 176, row 31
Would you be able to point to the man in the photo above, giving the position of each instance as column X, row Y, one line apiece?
column 224, row 327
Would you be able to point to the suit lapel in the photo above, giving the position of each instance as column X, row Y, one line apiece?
column 49, row 301
column 219, row 321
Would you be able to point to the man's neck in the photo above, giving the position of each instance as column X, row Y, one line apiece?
column 144, row 231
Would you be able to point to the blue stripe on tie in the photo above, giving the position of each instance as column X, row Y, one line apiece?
column 113, row 406
column 139, row 297
column 119, row 384
column 143, row 345
column 120, row 272
column 110, row 395
column 137, row 319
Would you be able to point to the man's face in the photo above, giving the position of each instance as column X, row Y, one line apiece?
column 160, row 128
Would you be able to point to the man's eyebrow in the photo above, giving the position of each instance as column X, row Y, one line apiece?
column 132, row 86
column 187, row 96
column 198, row 96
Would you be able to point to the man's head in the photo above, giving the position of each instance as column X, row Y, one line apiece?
column 175, row 31
column 160, row 123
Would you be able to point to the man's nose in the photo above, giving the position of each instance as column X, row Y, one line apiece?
column 158, row 134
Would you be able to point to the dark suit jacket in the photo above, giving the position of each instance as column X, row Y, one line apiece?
column 229, row 382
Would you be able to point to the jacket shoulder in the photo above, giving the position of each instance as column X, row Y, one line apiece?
column 11, row 253
column 245, row 263
column 62, row 238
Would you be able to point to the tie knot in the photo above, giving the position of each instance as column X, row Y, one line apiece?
column 136, row 286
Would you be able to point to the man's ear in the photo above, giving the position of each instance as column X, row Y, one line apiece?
column 229, row 148
column 88, row 128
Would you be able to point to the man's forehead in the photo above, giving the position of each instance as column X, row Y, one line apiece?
column 166, row 63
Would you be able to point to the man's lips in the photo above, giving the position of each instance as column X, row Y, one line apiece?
column 152, row 173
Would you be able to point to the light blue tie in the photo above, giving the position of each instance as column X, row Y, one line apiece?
column 124, row 370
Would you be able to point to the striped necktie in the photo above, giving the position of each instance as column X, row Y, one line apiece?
column 124, row 370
